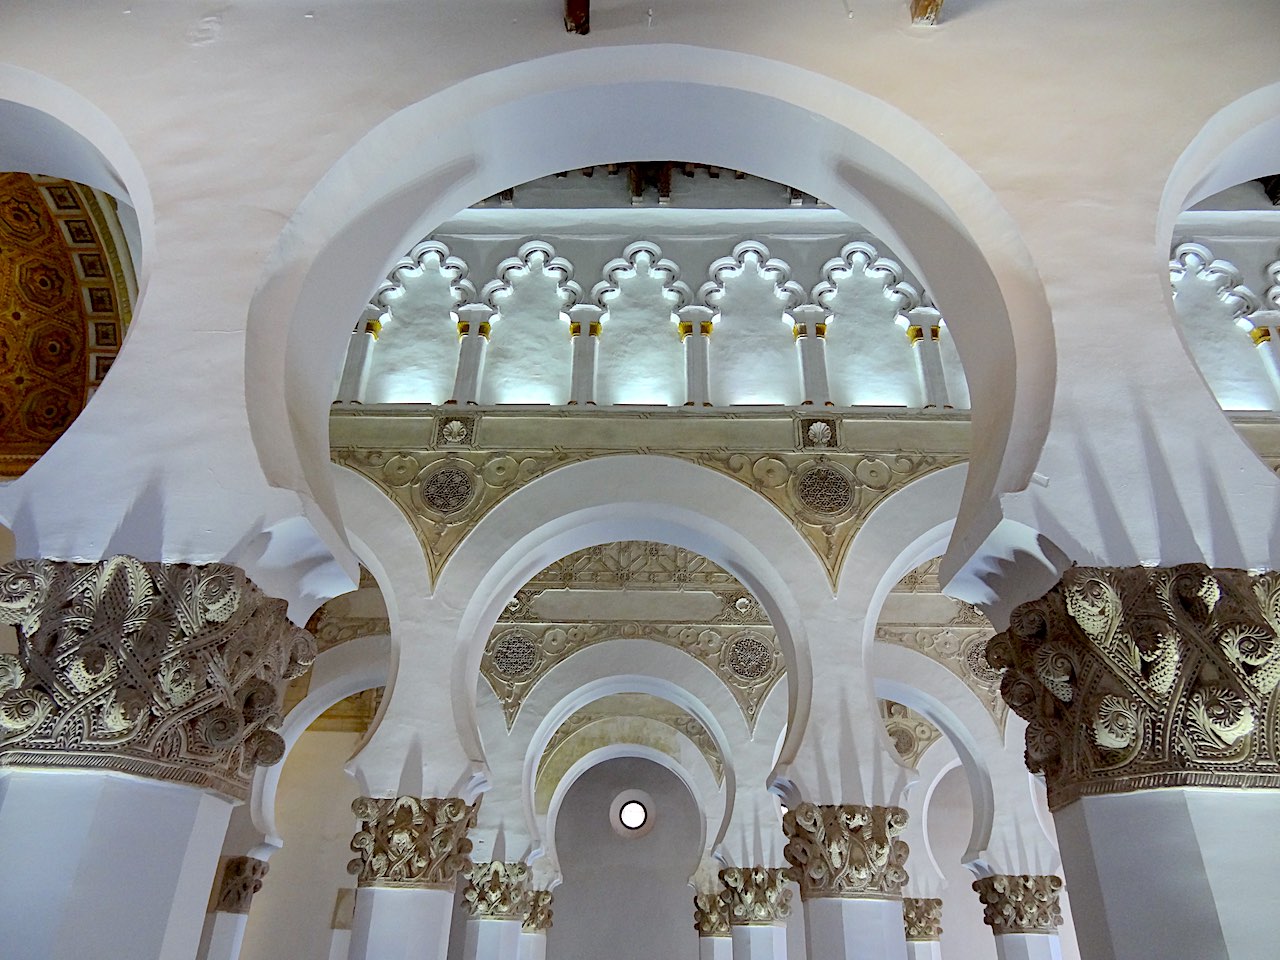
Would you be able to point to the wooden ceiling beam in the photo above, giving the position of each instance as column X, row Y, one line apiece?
column 577, row 16
column 925, row 11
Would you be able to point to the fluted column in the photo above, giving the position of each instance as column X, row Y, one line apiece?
column 711, row 920
column 851, row 868
column 141, row 700
column 410, row 850
column 922, row 922
column 1149, row 695
column 1023, row 914
column 537, row 920
column 496, row 899
column 758, row 904
column 239, row 878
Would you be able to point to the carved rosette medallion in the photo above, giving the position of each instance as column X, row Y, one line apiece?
column 846, row 850
column 710, row 915
column 922, row 918
column 170, row 671
column 1143, row 677
column 538, row 917
column 241, row 879
column 755, row 895
column 411, row 841
column 497, row 890
column 1020, row 904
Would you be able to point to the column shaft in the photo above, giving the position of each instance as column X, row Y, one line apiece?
column 1028, row 946
column 715, row 948
column 695, row 331
column 924, row 950
column 223, row 936
column 758, row 941
column 473, row 344
column 355, row 370
column 401, row 923
column 533, row 945
column 854, row 929
column 490, row 938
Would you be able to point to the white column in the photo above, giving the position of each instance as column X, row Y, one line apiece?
column 401, row 923
column 104, row 864
column 758, row 941
column 924, row 950
column 473, row 342
column 340, row 945
column 222, row 936
column 811, row 343
column 854, row 929
column 584, row 327
column 695, row 330
column 488, row 938
column 355, row 371
column 533, row 945
column 1266, row 323
column 1029, row 946
column 344, row 906
column 1173, row 873
column 715, row 948
column 924, row 333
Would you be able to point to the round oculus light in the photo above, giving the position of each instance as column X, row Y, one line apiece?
column 633, row 815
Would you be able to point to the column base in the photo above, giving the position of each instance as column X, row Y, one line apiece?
column 394, row 923
column 855, row 929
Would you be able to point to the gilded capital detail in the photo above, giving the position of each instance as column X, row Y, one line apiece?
column 922, row 918
column 710, row 915
column 1142, row 677
column 1020, row 904
column 497, row 890
column 166, row 670
column 241, row 879
column 411, row 841
column 846, row 850
column 755, row 894
column 538, row 916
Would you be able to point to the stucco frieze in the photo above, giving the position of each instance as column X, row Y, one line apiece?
column 171, row 671
column 411, row 841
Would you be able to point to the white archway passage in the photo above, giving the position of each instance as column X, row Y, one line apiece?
column 687, row 103
column 614, row 498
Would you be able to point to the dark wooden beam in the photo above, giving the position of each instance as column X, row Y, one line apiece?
column 577, row 16
column 925, row 11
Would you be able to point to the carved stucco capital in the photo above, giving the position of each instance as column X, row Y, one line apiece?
column 170, row 671
column 538, row 916
column 497, row 890
column 411, row 841
column 846, row 850
column 922, row 918
column 710, row 915
column 755, row 894
column 1020, row 904
column 241, row 878
column 1141, row 677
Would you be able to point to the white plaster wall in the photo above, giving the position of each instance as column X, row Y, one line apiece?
column 291, row 915
column 625, row 898
column 964, row 935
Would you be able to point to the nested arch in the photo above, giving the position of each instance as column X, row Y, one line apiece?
column 714, row 106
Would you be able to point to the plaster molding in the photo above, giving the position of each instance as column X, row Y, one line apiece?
column 638, row 259
column 681, row 721
column 922, row 918
column 911, row 733
column 710, row 915
column 861, row 262
column 532, row 257
column 424, row 256
column 1020, row 903
column 962, row 649
column 169, row 671
column 240, row 879
column 538, row 917
column 750, row 257
column 1135, row 678
column 411, row 841
column 826, row 494
column 755, row 895
column 846, row 850
column 1196, row 261
column 497, row 890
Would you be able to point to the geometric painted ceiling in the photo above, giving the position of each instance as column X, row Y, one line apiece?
column 64, row 307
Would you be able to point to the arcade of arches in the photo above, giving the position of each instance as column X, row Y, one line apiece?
column 731, row 483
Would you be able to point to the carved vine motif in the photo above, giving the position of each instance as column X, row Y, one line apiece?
column 497, row 890
column 911, row 733
column 710, row 915
column 241, row 879
column 411, row 841
column 960, row 648
column 749, row 674
column 539, row 915
column 1020, row 904
column 755, row 894
column 922, row 918
column 170, row 671
column 826, row 496
column 846, row 850
column 1141, row 677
